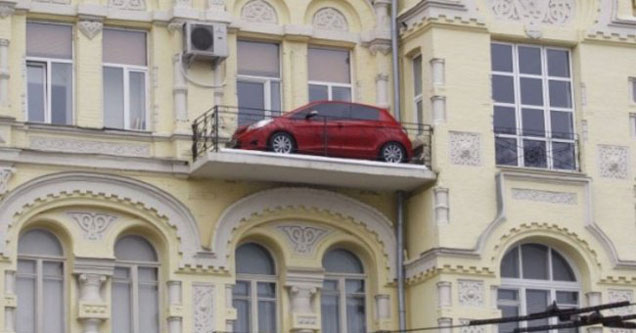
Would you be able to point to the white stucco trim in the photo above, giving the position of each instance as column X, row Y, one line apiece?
column 148, row 196
column 308, row 198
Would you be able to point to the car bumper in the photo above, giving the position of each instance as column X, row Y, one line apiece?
column 249, row 140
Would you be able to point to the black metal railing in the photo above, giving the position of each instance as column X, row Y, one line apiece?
column 214, row 129
column 538, row 149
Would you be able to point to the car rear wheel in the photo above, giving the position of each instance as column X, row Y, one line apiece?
column 281, row 143
column 393, row 152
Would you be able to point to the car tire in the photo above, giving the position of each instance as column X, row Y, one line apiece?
column 282, row 143
column 393, row 152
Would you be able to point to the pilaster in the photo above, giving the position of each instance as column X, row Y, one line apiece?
column 89, row 81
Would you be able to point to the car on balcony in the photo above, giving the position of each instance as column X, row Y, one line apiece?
column 329, row 128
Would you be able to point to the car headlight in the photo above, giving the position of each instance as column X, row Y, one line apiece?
column 259, row 124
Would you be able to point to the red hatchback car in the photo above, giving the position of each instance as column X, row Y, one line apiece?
column 336, row 129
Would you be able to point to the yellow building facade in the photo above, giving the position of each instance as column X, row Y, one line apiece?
column 110, row 221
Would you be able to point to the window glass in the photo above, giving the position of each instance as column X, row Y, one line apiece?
column 510, row 264
column 364, row 113
column 535, row 261
column 501, row 57
column 536, row 301
column 333, row 111
column 126, row 47
column 533, row 122
column 341, row 94
column 530, row 60
column 318, row 93
column 561, row 270
column 53, row 303
column 531, row 91
column 356, row 322
column 342, row 261
column 506, row 151
column 563, row 155
column 25, row 291
column 39, row 242
column 251, row 102
column 329, row 65
column 121, row 318
column 534, row 154
column 508, row 311
column 61, row 93
column 329, row 310
column 560, row 94
column 258, row 59
column 562, row 126
column 113, row 97
column 36, row 91
column 505, row 121
column 137, row 95
column 49, row 40
column 254, row 259
column 558, row 63
column 417, row 75
column 134, row 248
column 503, row 89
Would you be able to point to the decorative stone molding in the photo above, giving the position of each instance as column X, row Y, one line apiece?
column 471, row 292
column 203, row 308
column 471, row 329
column 303, row 285
column 613, row 161
column 230, row 316
column 444, row 298
column 10, row 301
column 90, row 28
column 445, row 325
column 93, row 224
column 534, row 13
column 259, row 11
column 438, row 105
column 329, row 18
column 127, row 4
column 442, row 206
column 182, row 3
column 89, row 146
column 5, row 74
column 593, row 298
column 303, row 238
column 175, row 315
column 563, row 198
column 92, row 310
column 7, row 8
column 141, row 196
column 57, row 2
column 5, row 176
column 620, row 295
column 465, row 148
column 438, row 71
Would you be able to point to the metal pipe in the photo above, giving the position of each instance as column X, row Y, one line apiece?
column 396, row 68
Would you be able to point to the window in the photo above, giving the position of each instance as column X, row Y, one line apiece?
column 258, row 81
column 125, row 79
column 135, row 287
column 49, row 66
column 533, row 276
column 40, row 283
column 329, row 74
column 417, row 92
column 343, row 293
column 254, row 295
column 534, row 111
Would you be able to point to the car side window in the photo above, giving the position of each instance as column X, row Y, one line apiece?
column 334, row 111
column 361, row 112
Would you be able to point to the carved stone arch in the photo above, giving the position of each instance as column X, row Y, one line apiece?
column 343, row 207
column 329, row 18
column 259, row 11
column 114, row 187
column 358, row 15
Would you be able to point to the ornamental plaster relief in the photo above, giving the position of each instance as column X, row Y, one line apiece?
column 203, row 308
column 127, row 4
column 564, row 198
column 6, row 173
column 330, row 18
column 471, row 329
column 465, row 148
column 303, row 238
column 259, row 11
column 89, row 146
column 93, row 224
column 620, row 295
column 534, row 13
column 90, row 28
column 471, row 293
column 613, row 161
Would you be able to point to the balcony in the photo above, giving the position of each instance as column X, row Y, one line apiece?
column 214, row 156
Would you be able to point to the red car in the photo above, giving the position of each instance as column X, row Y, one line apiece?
column 336, row 129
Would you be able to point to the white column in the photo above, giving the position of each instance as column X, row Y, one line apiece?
column 444, row 324
column 304, row 318
column 441, row 205
column 93, row 310
column 9, row 294
column 437, row 71
column 229, row 322
column 444, row 297
column 179, row 91
column 382, row 90
column 4, row 72
column 593, row 298
column 439, row 109
column 493, row 296
column 175, row 301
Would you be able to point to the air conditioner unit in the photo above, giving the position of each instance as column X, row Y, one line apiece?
column 205, row 41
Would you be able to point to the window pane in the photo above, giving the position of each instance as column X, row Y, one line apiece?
column 501, row 57
column 36, row 77
column 275, row 96
column 503, row 89
column 558, row 63
column 53, row 269
column 530, row 60
column 535, row 261
column 137, row 100
column 417, row 75
column 563, row 155
column 241, row 288
column 135, row 248
column 507, row 295
column 26, row 267
column 61, row 93
column 147, row 274
column 419, row 113
column 510, row 264
column 329, row 65
column 341, row 94
column 504, row 120
column 531, row 91
column 533, row 122
column 354, row 286
column 342, row 261
column 560, row 94
column 534, row 153
column 251, row 102
column 113, row 97
column 124, row 47
column 39, row 242
column 318, row 93
column 330, row 285
column 506, row 151
column 121, row 310
column 364, row 112
column 536, row 301
column 258, row 59
column 567, row 297
column 267, row 317
column 562, row 125
column 148, row 308
column 254, row 259
column 330, row 314
column 242, row 323
column 333, row 111
column 25, row 292
column 266, row 289
column 508, row 311
column 356, row 322
column 561, row 270
column 49, row 40
column 121, row 273
column 53, row 314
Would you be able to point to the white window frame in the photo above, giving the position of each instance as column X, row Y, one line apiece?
column 133, row 267
column 546, row 108
column 127, row 69
column 342, row 296
column 265, row 80
column 253, row 280
column 551, row 286
column 418, row 96
column 47, row 80
column 331, row 85
column 631, row 87
column 39, row 285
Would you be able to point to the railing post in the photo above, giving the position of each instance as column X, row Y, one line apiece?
column 194, row 141
column 216, row 128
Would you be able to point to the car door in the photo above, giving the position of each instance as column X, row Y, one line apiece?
column 308, row 132
column 336, row 118
column 360, row 134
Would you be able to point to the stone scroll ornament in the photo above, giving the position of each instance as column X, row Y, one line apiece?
column 534, row 13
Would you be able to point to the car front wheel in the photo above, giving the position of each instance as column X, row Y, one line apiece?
column 281, row 143
column 393, row 152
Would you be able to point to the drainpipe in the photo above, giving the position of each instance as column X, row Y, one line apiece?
column 400, row 194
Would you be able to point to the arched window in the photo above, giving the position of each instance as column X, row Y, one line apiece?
column 533, row 276
column 40, row 283
column 135, row 288
column 343, row 293
column 254, row 295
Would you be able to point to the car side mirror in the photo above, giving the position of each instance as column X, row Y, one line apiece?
column 311, row 114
